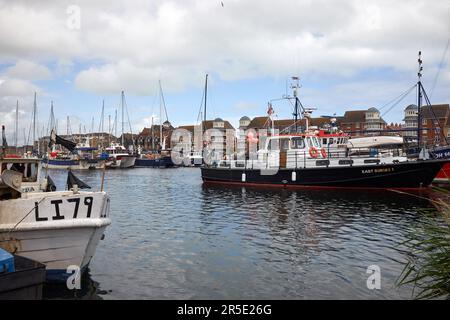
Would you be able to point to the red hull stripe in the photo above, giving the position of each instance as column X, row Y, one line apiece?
column 291, row 186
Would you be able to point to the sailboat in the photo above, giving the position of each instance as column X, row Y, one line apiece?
column 118, row 156
column 195, row 158
column 159, row 156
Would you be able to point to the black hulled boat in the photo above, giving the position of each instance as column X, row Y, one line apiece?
column 303, row 162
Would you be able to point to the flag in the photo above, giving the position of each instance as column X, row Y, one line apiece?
column 4, row 143
column 72, row 179
column 55, row 139
column 270, row 110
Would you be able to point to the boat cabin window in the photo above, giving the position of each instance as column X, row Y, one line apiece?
column 297, row 143
column 284, row 144
column 316, row 142
column 279, row 144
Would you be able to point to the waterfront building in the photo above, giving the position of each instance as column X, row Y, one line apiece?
column 434, row 120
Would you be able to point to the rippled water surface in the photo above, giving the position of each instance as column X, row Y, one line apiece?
column 174, row 238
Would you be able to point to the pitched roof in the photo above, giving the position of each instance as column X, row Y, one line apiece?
column 354, row 116
column 259, row 122
column 264, row 122
column 207, row 125
column 437, row 110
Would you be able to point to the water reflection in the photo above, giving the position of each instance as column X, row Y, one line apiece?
column 174, row 238
column 89, row 290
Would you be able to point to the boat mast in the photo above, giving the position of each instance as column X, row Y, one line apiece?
column 109, row 129
column 115, row 125
column 122, row 118
column 152, row 135
column 295, row 88
column 419, row 100
column 206, row 96
column 17, row 125
column 34, row 122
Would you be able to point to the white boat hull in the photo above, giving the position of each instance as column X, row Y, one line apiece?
column 58, row 229
column 122, row 162
column 75, row 165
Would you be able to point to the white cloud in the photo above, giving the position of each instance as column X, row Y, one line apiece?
column 28, row 70
column 125, row 45
column 135, row 43
column 16, row 88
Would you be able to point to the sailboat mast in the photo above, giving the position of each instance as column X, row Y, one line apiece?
column 122, row 119
column 115, row 124
column 109, row 129
column 206, row 95
column 16, row 129
column 160, row 114
column 34, row 122
column 419, row 100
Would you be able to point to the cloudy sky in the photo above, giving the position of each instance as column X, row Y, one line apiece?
column 349, row 55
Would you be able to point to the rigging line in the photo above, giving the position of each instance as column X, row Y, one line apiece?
column 440, row 67
column 20, row 221
column 128, row 117
column 155, row 96
column 391, row 101
column 164, row 102
column 201, row 107
column 432, row 111
column 399, row 100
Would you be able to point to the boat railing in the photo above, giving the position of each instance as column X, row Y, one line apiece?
column 293, row 159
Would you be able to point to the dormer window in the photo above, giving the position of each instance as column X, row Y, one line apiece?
column 218, row 123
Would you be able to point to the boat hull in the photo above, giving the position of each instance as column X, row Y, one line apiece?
column 413, row 174
column 443, row 174
column 63, row 231
column 165, row 162
column 121, row 162
column 84, row 164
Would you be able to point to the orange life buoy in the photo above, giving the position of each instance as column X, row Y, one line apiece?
column 313, row 152
column 323, row 153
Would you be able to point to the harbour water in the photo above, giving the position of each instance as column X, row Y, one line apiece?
column 174, row 238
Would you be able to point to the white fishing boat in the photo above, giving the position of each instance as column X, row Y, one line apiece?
column 118, row 157
column 57, row 228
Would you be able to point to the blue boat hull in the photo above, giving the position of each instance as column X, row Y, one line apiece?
column 165, row 162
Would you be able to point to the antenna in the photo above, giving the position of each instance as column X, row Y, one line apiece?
column 295, row 86
column 419, row 99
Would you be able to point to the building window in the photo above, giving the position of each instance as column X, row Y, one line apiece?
column 424, row 122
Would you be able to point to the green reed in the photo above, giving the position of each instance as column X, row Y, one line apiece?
column 428, row 266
